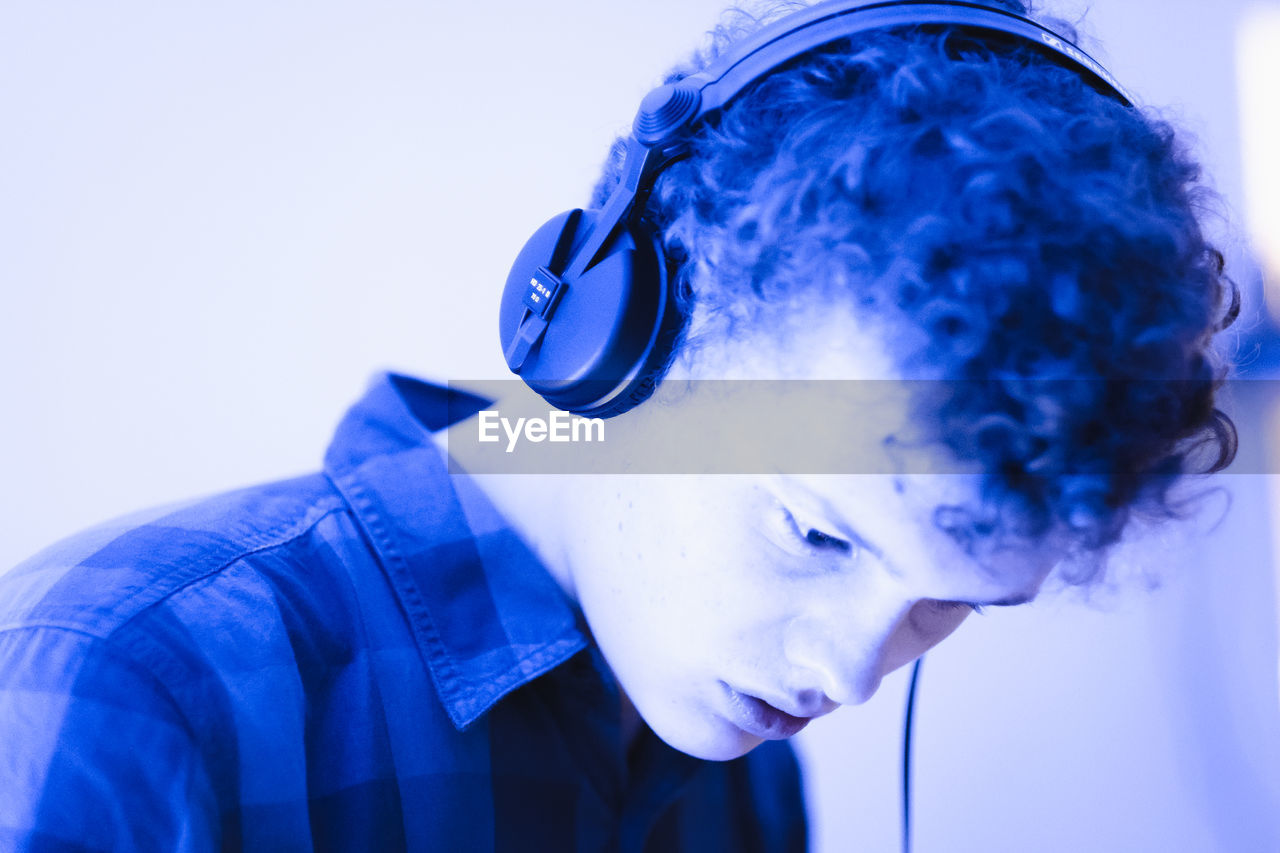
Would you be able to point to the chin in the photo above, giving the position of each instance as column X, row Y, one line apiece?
column 712, row 740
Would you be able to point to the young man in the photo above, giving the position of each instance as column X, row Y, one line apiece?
column 395, row 655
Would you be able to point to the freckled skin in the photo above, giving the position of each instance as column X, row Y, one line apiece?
column 685, row 604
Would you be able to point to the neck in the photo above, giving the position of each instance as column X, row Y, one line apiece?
column 539, row 507
column 552, row 513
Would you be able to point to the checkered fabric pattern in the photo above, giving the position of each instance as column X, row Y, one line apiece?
column 365, row 659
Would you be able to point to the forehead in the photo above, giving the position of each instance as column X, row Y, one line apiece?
column 805, row 337
column 794, row 426
column 820, row 389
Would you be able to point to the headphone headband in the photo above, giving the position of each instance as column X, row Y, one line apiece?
column 830, row 21
column 668, row 111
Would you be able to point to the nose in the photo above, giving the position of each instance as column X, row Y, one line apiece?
column 847, row 653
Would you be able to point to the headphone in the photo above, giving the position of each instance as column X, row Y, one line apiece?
column 589, row 317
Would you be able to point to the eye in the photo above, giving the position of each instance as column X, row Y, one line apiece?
column 813, row 537
column 819, row 539
column 953, row 606
column 933, row 618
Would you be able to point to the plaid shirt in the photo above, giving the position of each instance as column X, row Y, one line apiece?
column 365, row 659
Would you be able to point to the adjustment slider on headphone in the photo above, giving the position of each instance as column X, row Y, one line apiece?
column 664, row 111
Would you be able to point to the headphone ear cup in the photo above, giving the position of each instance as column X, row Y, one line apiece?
column 611, row 331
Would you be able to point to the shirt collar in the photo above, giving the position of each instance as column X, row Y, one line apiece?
column 486, row 615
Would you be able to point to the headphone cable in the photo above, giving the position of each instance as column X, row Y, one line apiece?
column 906, row 758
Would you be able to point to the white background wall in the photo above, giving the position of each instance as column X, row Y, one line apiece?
column 217, row 219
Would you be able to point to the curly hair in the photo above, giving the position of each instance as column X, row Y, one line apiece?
column 1044, row 237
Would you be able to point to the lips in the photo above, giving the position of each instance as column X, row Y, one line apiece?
column 757, row 717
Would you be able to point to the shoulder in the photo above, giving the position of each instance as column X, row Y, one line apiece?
column 99, row 580
column 245, row 599
column 221, row 588
column 160, row 653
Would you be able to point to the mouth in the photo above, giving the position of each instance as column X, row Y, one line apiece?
column 757, row 717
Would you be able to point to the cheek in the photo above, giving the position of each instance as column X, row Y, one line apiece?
column 700, row 606
column 648, row 595
column 682, row 588
column 924, row 626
